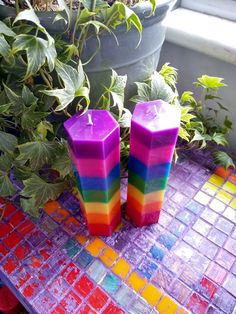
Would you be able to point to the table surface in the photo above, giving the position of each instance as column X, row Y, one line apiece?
column 184, row 263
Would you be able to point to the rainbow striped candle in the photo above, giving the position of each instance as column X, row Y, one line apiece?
column 154, row 131
column 94, row 143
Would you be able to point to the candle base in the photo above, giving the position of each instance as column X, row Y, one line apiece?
column 142, row 219
column 98, row 229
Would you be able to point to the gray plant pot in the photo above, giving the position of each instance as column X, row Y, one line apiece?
column 126, row 58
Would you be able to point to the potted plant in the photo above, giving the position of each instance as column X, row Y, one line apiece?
column 102, row 33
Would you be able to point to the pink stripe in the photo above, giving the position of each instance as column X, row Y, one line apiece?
column 151, row 156
column 89, row 167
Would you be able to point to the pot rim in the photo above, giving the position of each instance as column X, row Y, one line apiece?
column 141, row 9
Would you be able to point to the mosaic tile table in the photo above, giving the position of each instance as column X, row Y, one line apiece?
column 185, row 263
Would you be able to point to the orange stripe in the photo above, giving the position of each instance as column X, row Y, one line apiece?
column 97, row 229
column 104, row 218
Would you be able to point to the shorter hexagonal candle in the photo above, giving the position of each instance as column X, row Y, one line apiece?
column 154, row 131
column 94, row 143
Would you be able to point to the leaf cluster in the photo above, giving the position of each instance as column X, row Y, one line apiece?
column 199, row 117
column 43, row 82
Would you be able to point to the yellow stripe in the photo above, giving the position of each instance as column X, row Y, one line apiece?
column 144, row 199
column 102, row 208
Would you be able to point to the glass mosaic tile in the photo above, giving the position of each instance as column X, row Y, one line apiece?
column 183, row 264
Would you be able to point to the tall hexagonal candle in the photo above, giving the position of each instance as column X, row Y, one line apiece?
column 154, row 131
column 94, row 143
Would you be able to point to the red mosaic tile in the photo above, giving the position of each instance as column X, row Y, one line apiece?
column 31, row 289
column 12, row 240
column 97, row 299
column 58, row 310
column 34, row 262
column 215, row 273
column 222, row 172
column 46, row 250
column 22, row 251
column 196, row 304
column 22, row 277
column 84, row 286
column 16, row 218
column 86, row 310
column 10, row 264
column 71, row 273
column 5, row 229
column 71, row 302
column 207, row 288
column 112, row 309
column 232, row 178
column 2, row 201
column 26, row 227
column 9, row 209
column 58, row 287
column 3, row 251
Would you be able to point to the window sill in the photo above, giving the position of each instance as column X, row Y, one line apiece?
column 207, row 34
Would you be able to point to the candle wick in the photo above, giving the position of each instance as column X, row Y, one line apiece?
column 156, row 112
column 90, row 121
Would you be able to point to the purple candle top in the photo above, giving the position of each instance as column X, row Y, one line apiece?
column 92, row 135
column 157, row 115
column 93, row 125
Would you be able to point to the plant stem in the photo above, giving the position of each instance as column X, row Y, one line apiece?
column 17, row 6
column 76, row 24
column 46, row 80
column 93, row 5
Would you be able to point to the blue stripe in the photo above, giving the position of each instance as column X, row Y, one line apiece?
column 148, row 173
column 96, row 183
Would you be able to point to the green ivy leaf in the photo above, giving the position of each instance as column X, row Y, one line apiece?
column 5, row 30
column 170, row 74
column 62, row 163
column 15, row 99
column 30, row 118
column 223, row 159
column 21, row 172
column 185, row 115
column 219, row 139
column 187, row 97
column 125, row 120
column 43, row 127
column 161, row 90
column 74, row 80
column 153, row 5
column 117, row 90
column 38, row 52
column 38, row 153
column 64, row 6
column 30, row 15
column 48, row 191
column 210, row 82
column 4, row 48
column 183, row 133
column 85, row 16
column 143, row 92
column 28, row 205
column 28, row 97
column 4, row 109
column 8, row 142
column 119, row 13
column 6, row 187
column 228, row 123
column 202, row 138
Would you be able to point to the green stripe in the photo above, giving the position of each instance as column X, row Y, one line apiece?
column 99, row 195
column 147, row 186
